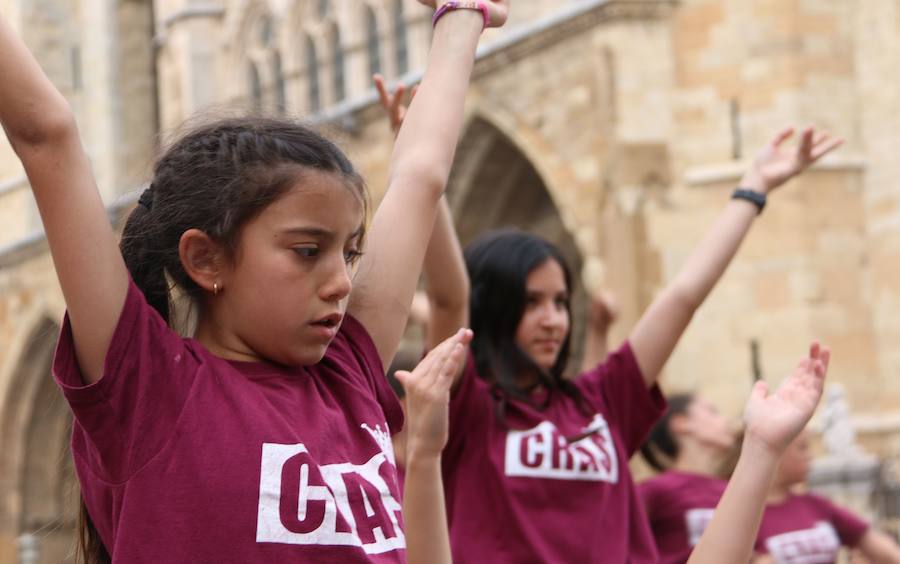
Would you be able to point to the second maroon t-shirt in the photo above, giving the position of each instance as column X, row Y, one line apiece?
column 680, row 506
column 550, row 485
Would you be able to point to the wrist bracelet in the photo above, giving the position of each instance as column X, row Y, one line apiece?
column 758, row 199
column 454, row 5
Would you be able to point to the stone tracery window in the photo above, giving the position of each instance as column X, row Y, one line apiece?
column 266, row 84
column 338, row 65
column 312, row 76
column 401, row 45
column 373, row 45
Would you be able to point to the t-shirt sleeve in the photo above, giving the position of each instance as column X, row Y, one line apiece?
column 127, row 416
column 618, row 385
column 363, row 347
column 850, row 527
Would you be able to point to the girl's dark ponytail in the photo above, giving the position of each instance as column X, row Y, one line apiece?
column 143, row 261
column 91, row 549
column 661, row 447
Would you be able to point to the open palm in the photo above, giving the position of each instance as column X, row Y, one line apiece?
column 427, row 390
column 777, row 163
column 775, row 419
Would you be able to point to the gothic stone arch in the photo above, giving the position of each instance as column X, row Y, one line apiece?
column 494, row 185
column 37, row 484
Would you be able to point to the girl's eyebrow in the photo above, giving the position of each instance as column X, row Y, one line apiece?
column 319, row 232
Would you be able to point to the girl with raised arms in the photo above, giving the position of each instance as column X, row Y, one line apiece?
column 799, row 526
column 689, row 446
column 265, row 436
column 536, row 468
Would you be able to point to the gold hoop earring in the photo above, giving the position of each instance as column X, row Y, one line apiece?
column 215, row 288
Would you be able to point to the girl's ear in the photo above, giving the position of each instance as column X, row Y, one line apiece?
column 202, row 259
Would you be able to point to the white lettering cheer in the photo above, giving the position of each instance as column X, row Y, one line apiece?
column 819, row 545
column 333, row 504
column 697, row 521
column 542, row 452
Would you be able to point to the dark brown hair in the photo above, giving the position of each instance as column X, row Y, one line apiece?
column 215, row 178
column 661, row 447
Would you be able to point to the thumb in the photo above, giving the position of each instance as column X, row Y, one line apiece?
column 760, row 390
column 404, row 377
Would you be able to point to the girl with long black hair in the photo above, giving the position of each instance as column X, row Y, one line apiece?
column 536, row 469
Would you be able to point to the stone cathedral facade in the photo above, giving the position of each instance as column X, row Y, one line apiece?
column 616, row 128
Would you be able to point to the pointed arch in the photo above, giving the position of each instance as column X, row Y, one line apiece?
column 36, row 474
column 495, row 184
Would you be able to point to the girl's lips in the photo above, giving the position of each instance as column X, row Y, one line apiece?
column 324, row 332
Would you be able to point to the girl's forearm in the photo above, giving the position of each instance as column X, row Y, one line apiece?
column 732, row 533
column 424, row 513
column 659, row 329
column 706, row 264
column 427, row 140
column 446, row 280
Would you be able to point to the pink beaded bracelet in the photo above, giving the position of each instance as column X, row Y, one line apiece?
column 454, row 5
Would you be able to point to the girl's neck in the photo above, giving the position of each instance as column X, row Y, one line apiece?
column 778, row 492
column 698, row 459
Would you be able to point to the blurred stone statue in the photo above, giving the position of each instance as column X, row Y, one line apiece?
column 838, row 433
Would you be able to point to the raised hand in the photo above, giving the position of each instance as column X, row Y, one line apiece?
column 498, row 10
column 428, row 395
column 604, row 312
column 773, row 420
column 776, row 164
column 393, row 103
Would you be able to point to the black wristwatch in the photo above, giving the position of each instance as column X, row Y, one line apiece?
column 758, row 199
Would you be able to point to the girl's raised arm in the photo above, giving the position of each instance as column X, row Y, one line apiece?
column 420, row 166
column 446, row 277
column 657, row 332
column 427, row 405
column 772, row 422
column 42, row 130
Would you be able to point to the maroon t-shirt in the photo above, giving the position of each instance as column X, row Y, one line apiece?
column 550, row 485
column 807, row 529
column 679, row 506
column 185, row 457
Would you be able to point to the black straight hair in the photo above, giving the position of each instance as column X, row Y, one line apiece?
column 499, row 263
column 661, row 447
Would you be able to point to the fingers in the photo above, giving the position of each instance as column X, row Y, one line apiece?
column 782, row 136
column 760, row 390
column 806, row 143
column 398, row 99
column 825, row 146
column 382, row 91
column 442, row 360
column 825, row 357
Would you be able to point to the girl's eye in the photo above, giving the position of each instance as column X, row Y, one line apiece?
column 352, row 256
column 306, row 252
column 561, row 303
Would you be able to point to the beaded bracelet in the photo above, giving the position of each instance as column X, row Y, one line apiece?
column 454, row 5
